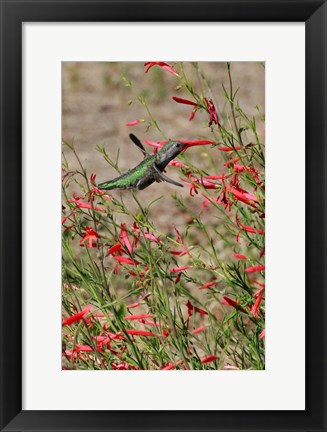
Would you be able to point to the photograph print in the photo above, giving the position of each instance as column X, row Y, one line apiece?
column 163, row 216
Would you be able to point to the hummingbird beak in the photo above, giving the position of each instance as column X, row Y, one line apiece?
column 188, row 144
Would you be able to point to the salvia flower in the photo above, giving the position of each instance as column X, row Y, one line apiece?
column 135, row 122
column 77, row 317
column 212, row 112
column 255, row 307
column 83, row 205
column 124, row 238
column 163, row 65
column 198, row 330
column 191, row 309
column 187, row 102
column 239, row 256
column 255, row 268
column 126, row 260
column 230, row 302
column 209, row 359
column 179, row 269
column 208, row 285
column 229, row 149
column 169, row 366
column 90, row 236
column 138, row 317
column 139, row 332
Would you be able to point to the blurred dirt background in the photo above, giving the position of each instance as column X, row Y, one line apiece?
column 97, row 102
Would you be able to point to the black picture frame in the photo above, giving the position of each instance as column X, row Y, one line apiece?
column 13, row 14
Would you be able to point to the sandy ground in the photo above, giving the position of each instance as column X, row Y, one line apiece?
column 96, row 105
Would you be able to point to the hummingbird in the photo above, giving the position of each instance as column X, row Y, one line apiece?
column 149, row 170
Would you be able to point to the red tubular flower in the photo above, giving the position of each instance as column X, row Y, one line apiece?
column 83, row 348
column 198, row 330
column 157, row 144
column 255, row 268
column 77, row 317
column 133, row 305
column 208, row 285
column 192, row 115
column 135, row 122
column 193, row 188
column 178, row 253
column 97, row 191
column 122, row 366
column 90, row 236
column 92, row 178
column 124, row 238
column 149, row 323
column 209, row 359
column 178, row 278
column 239, row 256
column 137, row 317
column 255, row 307
column 84, row 205
column 169, row 366
column 229, row 149
column 178, row 269
column 187, row 102
column 248, row 228
column 163, row 65
column 176, row 163
column 146, row 235
column 262, row 334
column 212, row 112
column 230, row 302
column 184, row 101
column 191, row 308
column 240, row 196
column 231, row 161
column 125, row 260
column 115, row 248
column 139, row 332
column 215, row 177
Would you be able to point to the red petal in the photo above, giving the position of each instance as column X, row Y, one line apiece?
column 229, row 149
column 262, row 334
column 239, row 256
column 169, row 366
column 158, row 144
column 133, row 305
column 76, row 317
column 208, row 359
column 178, row 269
column 135, row 122
column 207, row 285
column 162, row 65
column 125, row 260
column 114, row 248
column 184, row 101
column 254, row 269
column 198, row 330
column 139, row 332
column 136, row 317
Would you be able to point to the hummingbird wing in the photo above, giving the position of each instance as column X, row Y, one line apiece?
column 138, row 143
column 162, row 177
